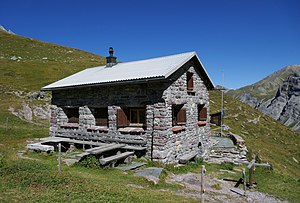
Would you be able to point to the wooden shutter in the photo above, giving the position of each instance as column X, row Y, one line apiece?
column 202, row 115
column 190, row 81
column 181, row 117
column 122, row 119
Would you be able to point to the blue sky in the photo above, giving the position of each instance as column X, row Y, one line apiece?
column 247, row 40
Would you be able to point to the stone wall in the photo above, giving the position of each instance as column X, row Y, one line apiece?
column 156, row 96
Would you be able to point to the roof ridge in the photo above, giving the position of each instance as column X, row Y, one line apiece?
column 161, row 57
column 145, row 60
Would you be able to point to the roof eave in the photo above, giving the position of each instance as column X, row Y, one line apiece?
column 135, row 81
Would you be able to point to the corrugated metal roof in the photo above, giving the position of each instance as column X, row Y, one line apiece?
column 145, row 69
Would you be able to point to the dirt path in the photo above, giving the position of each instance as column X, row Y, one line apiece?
column 216, row 190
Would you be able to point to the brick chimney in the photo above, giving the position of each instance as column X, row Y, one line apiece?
column 111, row 60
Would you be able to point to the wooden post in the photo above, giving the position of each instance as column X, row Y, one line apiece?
column 59, row 158
column 244, row 181
column 202, row 183
column 251, row 168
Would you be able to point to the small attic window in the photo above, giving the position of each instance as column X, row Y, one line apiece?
column 190, row 81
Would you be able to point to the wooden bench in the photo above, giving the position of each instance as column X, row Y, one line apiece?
column 40, row 147
column 110, row 159
column 105, row 148
column 187, row 157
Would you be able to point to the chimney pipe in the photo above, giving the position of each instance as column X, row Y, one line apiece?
column 111, row 60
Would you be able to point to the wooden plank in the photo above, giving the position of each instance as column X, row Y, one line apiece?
column 106, row 149
column 135, row 148
column 100, row 147
column 40, row 147
column 251, row 164
column 110, row 159
column 263, row 164
column 86, row 142
column 141, row 142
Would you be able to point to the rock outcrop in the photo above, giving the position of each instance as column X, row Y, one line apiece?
column 285, row 106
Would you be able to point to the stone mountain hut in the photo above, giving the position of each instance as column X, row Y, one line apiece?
column 161, row 104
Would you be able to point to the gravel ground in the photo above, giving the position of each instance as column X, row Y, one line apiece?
column 217, row 190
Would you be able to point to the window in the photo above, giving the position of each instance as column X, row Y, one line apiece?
column 131, row 117
column 190, row 81
column 178, row 115
column 101, row 116
column 72, row 114
column 137, row 116
column 202, row 113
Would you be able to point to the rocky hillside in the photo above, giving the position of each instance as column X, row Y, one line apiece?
column 276, row 95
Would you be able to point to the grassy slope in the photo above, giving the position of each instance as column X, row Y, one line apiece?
column 40, row 64
column 31, row 181
column 267, row 87
column 37, row 181
column 271, row 140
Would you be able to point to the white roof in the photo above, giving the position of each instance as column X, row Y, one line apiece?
column 154, row 68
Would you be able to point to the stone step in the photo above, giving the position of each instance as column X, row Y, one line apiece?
column 187, row 157
column 132, row 166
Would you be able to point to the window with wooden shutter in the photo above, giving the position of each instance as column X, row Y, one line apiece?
column 101, row 116
column 190, row 81
column 178, row 115
column 202, row 113
column 72, row 114
column 122, row 119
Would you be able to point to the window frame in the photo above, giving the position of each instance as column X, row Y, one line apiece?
column 138, row 111
column 178, row 111
column 201, row 111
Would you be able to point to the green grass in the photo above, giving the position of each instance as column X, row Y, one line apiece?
column 37, row 181
column 33, row 71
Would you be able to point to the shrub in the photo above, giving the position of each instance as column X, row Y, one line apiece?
column 90, row 162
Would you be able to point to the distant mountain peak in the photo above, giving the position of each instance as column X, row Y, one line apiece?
column 277, row 95
column 6, row 30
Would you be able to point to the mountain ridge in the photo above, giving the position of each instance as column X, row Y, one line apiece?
column 270, row 96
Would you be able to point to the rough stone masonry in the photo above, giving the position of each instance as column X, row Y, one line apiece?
column 164, row 141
